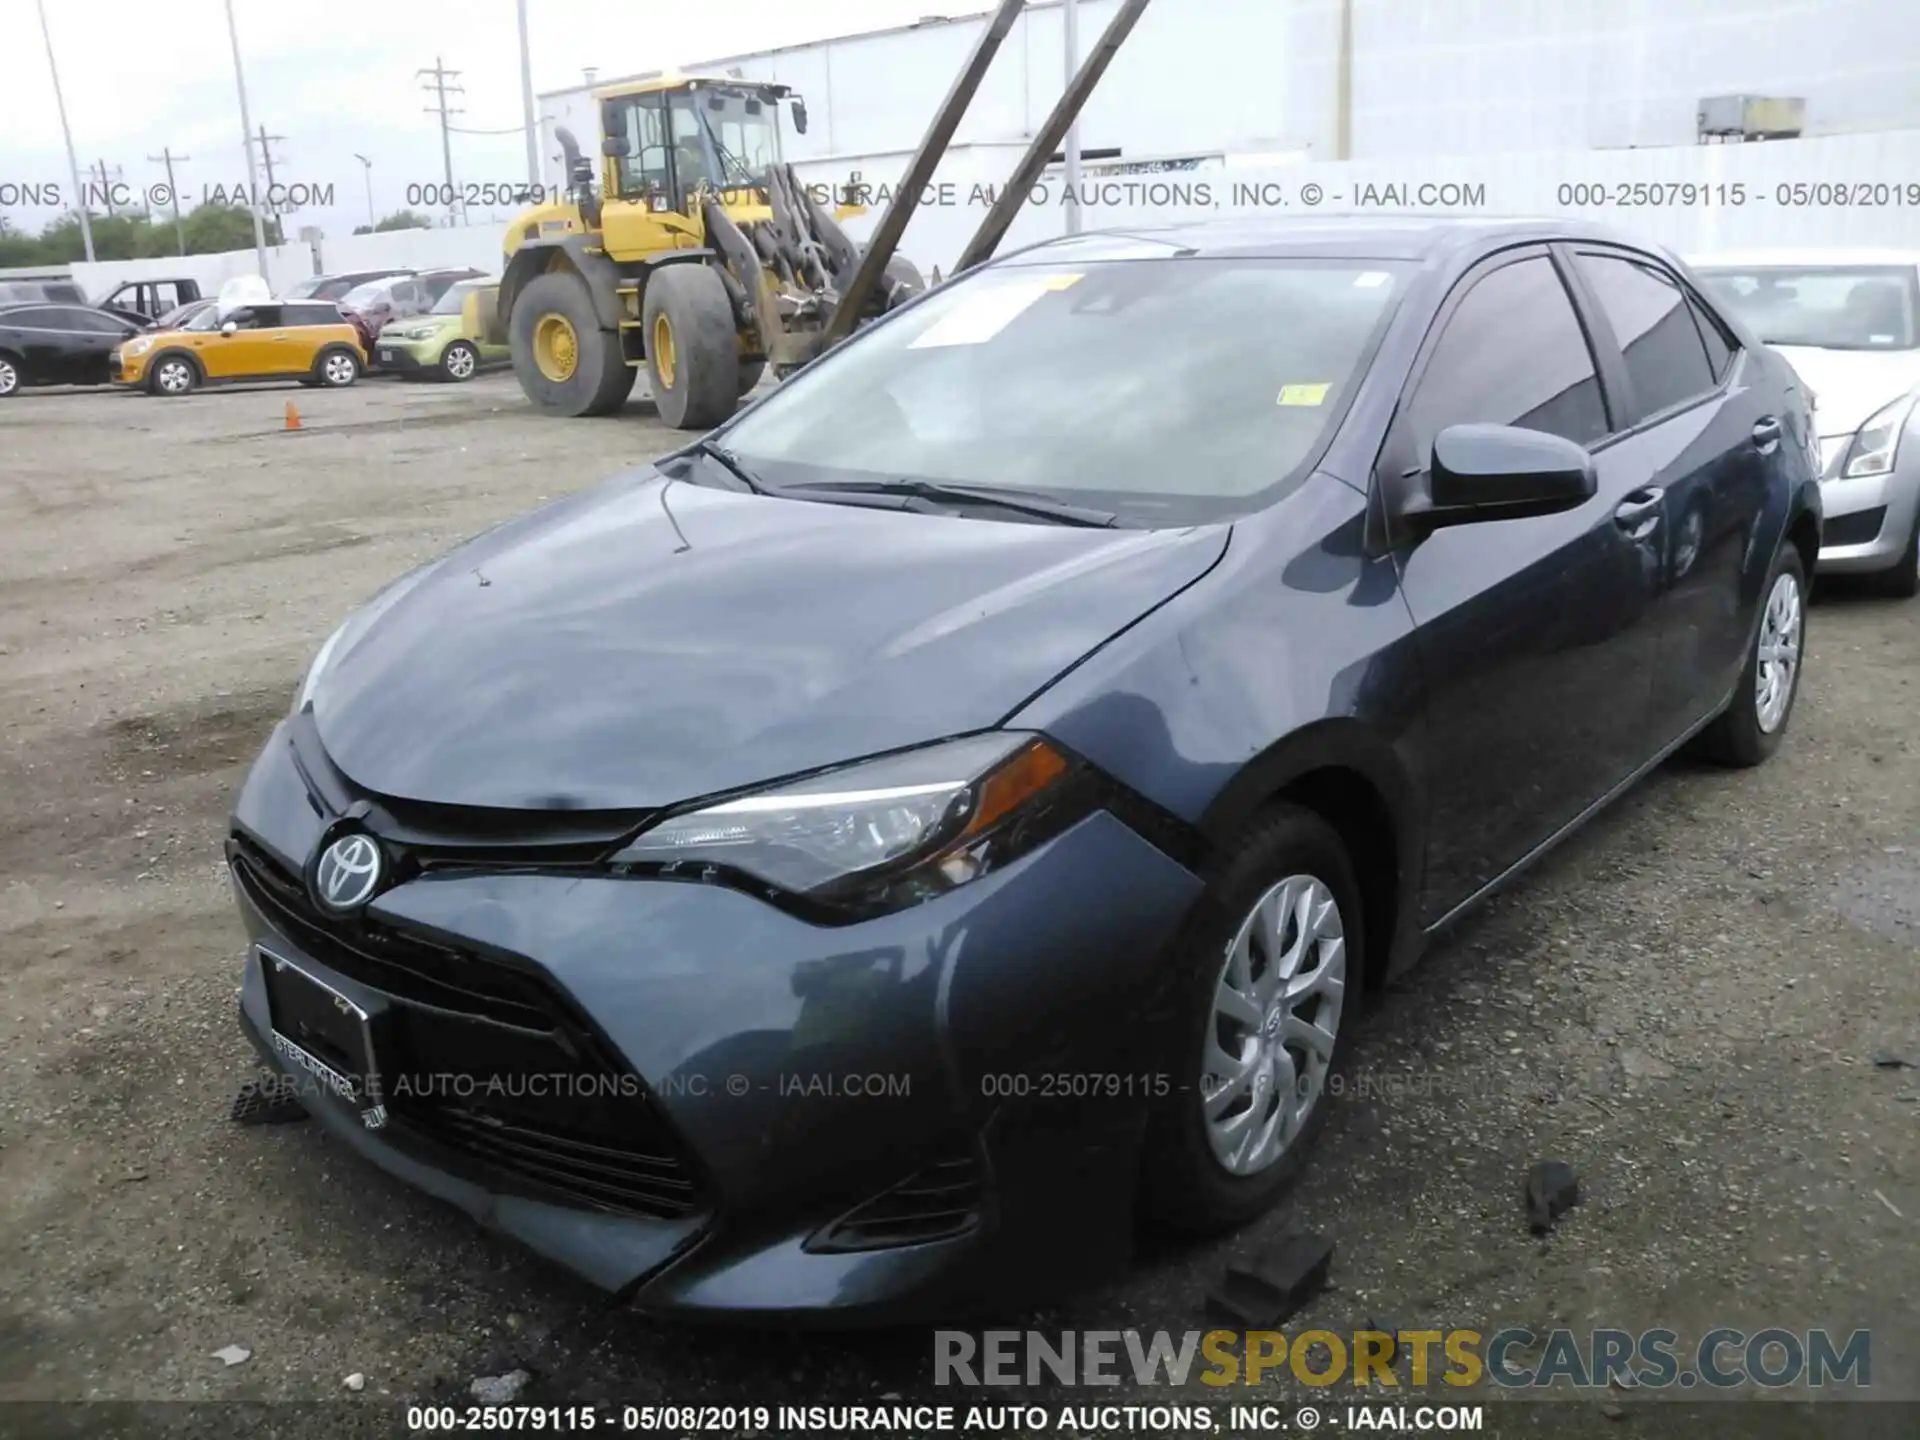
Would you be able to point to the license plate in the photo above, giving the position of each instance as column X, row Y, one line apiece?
column 386, row 357
column 325, row 1034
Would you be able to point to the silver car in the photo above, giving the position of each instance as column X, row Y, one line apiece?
column 1849, row 322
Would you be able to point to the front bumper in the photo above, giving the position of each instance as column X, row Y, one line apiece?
column 885, row 1121
column 125, row 370
column 1869, row 521
column 402, row 356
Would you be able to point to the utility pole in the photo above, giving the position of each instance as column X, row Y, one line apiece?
column 167, row 157
column 73, row 161
column 104, row 179
column 266, row 159
column 526, row 100
column 246, row 142
column 366, row 167
column 1070, row 22
column 441, row 90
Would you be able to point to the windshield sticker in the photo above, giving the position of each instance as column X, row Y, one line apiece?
column 1304, row 394
column 980, row 317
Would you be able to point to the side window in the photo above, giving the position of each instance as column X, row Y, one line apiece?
column 644, row 168
column 1513, row 353
column 1653, row 322
column 29, row 319
column 1719, row 347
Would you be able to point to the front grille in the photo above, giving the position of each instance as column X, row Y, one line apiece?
column 489, row 1061
column 1855, row 529
column 939, row 1202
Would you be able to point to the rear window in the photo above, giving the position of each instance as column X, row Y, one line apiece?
column 1831, row 307
column 1170, row 390
column 311, row 314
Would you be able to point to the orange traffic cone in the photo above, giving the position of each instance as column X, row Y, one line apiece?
column 293, row 416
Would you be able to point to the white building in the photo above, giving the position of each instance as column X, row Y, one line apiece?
column 1211, row 81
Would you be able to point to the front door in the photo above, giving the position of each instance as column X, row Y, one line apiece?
column 1535, row 638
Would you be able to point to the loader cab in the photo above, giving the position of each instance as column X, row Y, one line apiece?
column 661, row 144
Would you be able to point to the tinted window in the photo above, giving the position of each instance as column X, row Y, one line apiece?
column 30, row 318
column 311, row 315
column 1513, row 353
column 1719, row 349
column 1666, row 359
column 93, row 322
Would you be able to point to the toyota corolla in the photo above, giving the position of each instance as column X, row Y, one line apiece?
column 872, row 860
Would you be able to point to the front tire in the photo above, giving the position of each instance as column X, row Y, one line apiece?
column 337, row 368
column 1268, row 985
column 567, row 365
column 9, row 376
column 173, row 375
column 460, row 362
column 693, row 351
column 1753, row 724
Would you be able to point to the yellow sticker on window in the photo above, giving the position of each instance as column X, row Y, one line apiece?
column 1061, row 282
column 1304, row 394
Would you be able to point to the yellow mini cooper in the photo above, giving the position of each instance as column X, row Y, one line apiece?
column 308, row 341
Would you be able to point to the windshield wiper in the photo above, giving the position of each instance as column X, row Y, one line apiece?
column 940, row 492
column 731, row 463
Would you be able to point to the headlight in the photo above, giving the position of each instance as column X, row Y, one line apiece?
column 137, row 347
column 1876, row 445
column 884, row 832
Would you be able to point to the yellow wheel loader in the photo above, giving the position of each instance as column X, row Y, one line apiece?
column 693, row 249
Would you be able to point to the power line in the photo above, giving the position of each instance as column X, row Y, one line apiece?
column 463, row 130
column 440, row 89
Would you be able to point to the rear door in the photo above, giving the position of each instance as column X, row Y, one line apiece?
column 1534, row 634
column 45, row 345
column 1703, row 425
column 92, row 336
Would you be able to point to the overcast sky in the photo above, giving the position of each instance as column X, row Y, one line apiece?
column 337, row 77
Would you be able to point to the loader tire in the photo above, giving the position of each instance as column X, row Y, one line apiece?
column 693, row 352
column 750, row 373
column 566, row 363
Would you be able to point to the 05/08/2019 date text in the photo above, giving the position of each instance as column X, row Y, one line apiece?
column 473, row 192
column 1787, row 194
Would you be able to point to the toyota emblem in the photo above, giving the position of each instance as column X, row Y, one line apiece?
column 348, row 873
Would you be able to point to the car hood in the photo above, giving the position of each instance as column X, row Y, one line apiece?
column 651, row 641
column 1849, row 385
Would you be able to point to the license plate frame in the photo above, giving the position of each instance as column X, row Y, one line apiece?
column 385, row 357
column 320, row 1030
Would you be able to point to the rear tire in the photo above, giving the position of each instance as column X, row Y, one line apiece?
column 173, row 375
column 336, row 367
column 693, row 351
column 1186, row 1185
column 1747, row 732
column 598, row 380
column 9, row 376
column 1902, row 582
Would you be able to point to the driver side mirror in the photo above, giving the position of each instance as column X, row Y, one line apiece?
column 1500, row 472
column 229, row 328
column 799, row 116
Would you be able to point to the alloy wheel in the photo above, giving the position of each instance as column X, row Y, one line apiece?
column 1276, row 1017
column 459, row 362
column 174, row 377
column 1779, row 654
column 340, row 370
column 9, row 378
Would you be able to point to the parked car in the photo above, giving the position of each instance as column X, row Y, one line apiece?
column 336, row 287
column 378, row 303
column 151, row 299
column 177, row 317
column 57, row 345
column 857, row 862
column 1849, row 321
column 306, row 341
column 450, row 340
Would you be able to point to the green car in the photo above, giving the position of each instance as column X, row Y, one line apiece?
column 448, row 342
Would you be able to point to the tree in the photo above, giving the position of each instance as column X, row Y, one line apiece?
column 402, row 220
column 213, row 228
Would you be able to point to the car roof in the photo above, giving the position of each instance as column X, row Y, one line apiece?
column 1400, row 236
column 1830, row 255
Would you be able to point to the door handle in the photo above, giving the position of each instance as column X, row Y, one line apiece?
column 1640, row 511
column 1766, row 435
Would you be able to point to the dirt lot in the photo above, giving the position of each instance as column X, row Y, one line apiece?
column 1683, row 1002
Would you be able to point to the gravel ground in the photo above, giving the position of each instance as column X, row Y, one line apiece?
column 1684, row 1001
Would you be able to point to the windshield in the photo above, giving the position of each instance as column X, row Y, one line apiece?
column 1834, row 307
column 1169, row 391
column 207, row 319
column 740, row 128
column 455, row 300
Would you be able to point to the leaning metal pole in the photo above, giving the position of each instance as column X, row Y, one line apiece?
column 893, row 224
column 993, row 229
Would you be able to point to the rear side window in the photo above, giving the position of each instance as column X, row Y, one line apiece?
column 313, row 315
column 1719, row 348
column 1513, row 353
column 1667, row 362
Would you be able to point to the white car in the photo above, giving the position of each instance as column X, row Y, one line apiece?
column 1848, row 320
